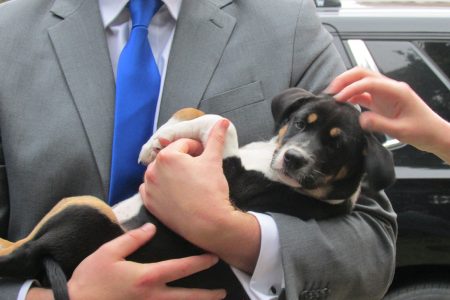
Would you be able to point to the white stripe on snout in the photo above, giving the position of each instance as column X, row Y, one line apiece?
column 128, row 208
column 259, row 156
column 278, row 161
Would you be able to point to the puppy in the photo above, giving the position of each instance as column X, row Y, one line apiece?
column 312, row 168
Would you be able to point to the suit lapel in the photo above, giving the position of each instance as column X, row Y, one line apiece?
column 203, row 30
column 80, row 45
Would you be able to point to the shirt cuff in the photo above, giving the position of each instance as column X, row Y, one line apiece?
column 25, row 288
column 267, row 281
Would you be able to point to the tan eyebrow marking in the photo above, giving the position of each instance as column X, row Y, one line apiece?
column 281, row 133
column 342, row 173
column 312, row 118
column 334, row 132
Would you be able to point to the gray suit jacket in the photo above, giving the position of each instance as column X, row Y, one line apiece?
column 228, row 57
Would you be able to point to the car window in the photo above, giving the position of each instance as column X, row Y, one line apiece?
column 402, row 60
column 424, row 71
column 439, row 52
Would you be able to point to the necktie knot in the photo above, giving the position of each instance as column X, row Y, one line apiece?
column 142, row 11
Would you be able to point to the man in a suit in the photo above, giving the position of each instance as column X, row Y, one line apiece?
column 58, row 61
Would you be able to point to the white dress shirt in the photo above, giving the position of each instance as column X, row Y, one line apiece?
column 267, row 280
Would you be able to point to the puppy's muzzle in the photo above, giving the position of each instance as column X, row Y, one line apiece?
column 299, row 167
column 294, row 160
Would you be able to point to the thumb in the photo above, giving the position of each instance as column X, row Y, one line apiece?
column 129, row 242
column 216, row 140
column 185, row 146
column 371, row 121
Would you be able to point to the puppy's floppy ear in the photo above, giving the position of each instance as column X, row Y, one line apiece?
column 287, row 102
column 379, row 164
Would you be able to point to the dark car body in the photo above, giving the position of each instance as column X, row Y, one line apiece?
column 410, row 44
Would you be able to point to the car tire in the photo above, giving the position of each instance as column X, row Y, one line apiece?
column 421, row 291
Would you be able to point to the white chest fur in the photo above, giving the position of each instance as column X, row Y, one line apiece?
column 128, row 208
column 257, row 156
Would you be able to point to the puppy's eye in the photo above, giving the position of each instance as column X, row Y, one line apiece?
column 300, row 125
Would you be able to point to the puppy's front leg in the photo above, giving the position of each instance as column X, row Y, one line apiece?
column 197, row 128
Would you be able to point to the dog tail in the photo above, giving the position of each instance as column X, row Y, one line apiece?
column 56, row 278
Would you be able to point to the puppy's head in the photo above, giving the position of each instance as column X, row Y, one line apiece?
column 322, row 150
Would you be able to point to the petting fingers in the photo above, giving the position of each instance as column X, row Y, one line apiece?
column 374, row 122
column 348, row 77
column 361, row 91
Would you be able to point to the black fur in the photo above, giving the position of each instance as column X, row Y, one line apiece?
column 251, row 190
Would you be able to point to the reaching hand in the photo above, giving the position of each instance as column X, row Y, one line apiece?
column 107, row 275
column 395, row 109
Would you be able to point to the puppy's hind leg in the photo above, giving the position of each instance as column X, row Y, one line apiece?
column 5, row 244
column 72, row 230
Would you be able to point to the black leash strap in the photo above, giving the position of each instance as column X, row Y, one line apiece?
column 57, row 279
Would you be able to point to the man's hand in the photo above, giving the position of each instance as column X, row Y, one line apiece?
column 190, row 195
column 107, row 275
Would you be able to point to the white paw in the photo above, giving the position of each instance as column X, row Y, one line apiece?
column 149, row 150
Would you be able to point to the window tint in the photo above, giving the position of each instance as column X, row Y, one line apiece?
column 411, row 63
column 439, row 52
column 403, row 61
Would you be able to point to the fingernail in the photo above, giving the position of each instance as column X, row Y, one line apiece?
column 224, row 294
column 338, row 97
column 148, row 227
column 215, row 260
column 329, row 89
column 365, row 122
column 224, row 123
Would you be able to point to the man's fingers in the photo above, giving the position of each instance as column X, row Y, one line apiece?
column 129, row 242
column 170, row 270
column 164, row 142
column 185, row 146
column 216, row 140
column 194, row 294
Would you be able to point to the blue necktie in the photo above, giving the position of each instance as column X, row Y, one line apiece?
column 137, row 91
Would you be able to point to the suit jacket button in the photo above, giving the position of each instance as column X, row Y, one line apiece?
column 325, row 291
column 314, row 294
column 306, row 295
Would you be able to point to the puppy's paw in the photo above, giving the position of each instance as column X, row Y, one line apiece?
column 150, row 150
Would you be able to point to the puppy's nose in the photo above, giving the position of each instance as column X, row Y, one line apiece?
column 293, row 159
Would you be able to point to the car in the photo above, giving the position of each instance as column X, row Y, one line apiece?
column 409, row 43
